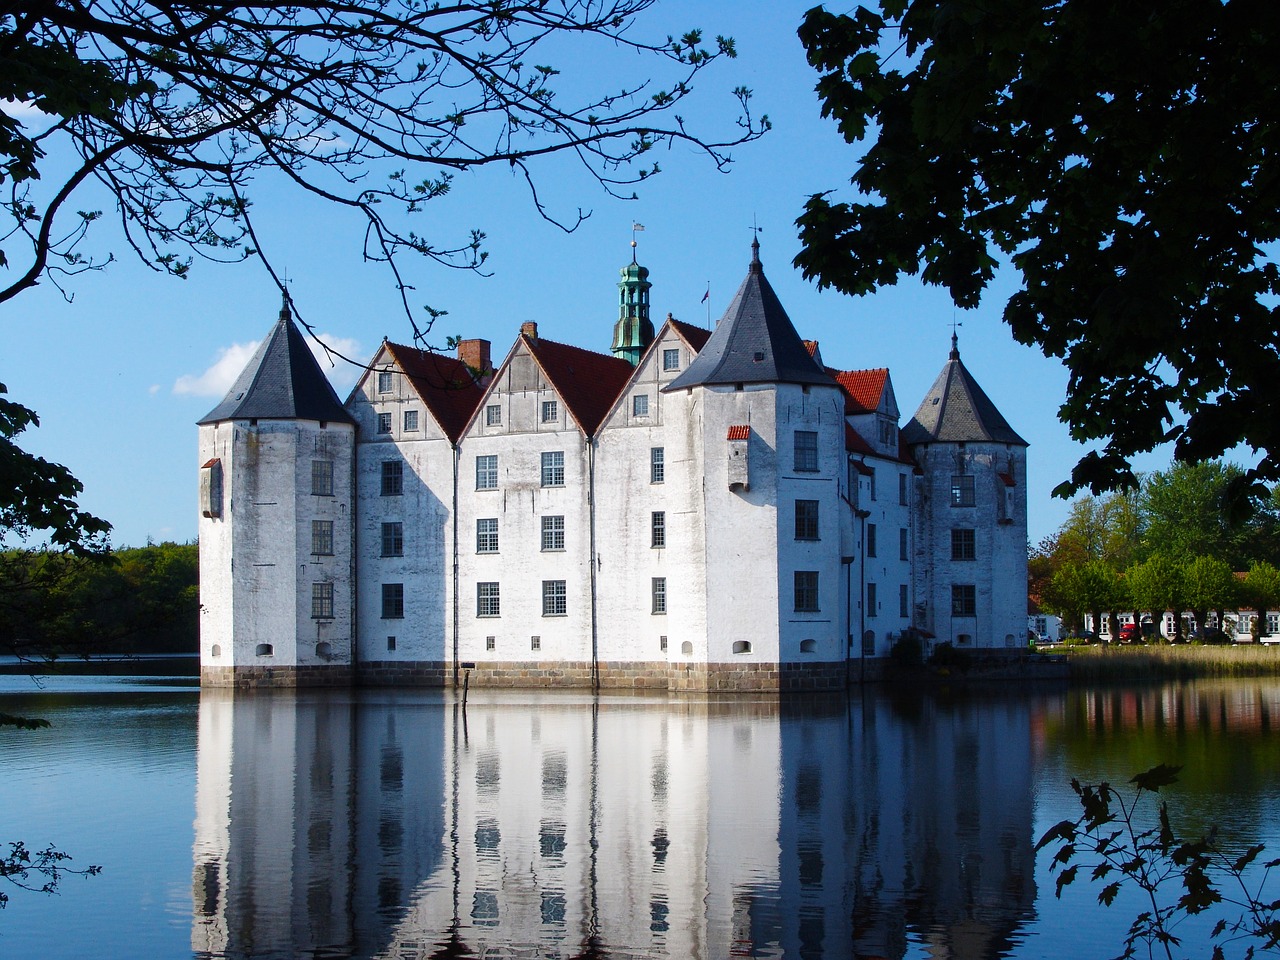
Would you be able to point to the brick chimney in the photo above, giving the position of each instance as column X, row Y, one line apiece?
column 475, row 354
column 529, row 329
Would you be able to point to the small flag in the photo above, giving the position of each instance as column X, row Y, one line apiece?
column 705, row 295
column 636, row 227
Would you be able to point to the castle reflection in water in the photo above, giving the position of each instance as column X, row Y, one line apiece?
column 397, row 824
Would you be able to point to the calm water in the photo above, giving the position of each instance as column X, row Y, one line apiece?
column 394, row 824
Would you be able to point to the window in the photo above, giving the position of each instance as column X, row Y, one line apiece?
column 535, row 643
column 871, row 480
column 322, row 601
column 671, row 359
column 392, row 601
column 902, row 489
column 657, row 464
column 392, row 478
column 553, row 533
column 410, row 421
column 888, row 432
column 662, row 643
column 658, row 529
column 488, row 603
column 553, row 468
column 640, row 405
column 903, row 605
column 384, row 381
column 964, row 601
column 322, row 538
column 550, row 411
column 658, row 592
column 962, row 545
column 493, row 415
column 806, row 519
column 491, row 643
column 553, row 598
column 962, row 491
column 487, row 535
column 742, row 646
column 873, row 608
column 806, row 451
column 384, row 423
column 391, row 643
column 393, row 539
column 322, row 478
column 902, row 543
column 871, row 539
column 487, row 472
column 806, row 591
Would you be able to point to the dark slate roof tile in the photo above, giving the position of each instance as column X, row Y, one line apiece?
column 955, row 410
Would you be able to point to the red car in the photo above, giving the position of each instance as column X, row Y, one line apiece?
column 1130, row 632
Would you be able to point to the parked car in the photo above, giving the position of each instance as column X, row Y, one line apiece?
column 1130, row 632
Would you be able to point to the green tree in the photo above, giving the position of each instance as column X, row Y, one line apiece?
column 1121, row 158
column 1158, row 584
column 1210, row 585
column 1092, row 587
column 1188, row 510
column 1261, row 590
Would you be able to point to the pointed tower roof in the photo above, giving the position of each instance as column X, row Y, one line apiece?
column 281, row 382
column 955, row 410
column 754, row 342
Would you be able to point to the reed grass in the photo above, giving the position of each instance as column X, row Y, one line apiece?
column 1169, row 662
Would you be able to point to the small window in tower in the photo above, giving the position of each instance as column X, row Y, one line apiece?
column 322, row 478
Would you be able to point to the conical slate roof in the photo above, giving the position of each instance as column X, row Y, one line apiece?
column 281, row 382
column 955, row 410
column 754, row 342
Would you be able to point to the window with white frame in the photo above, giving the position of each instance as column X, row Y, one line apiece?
column 393, row 601
column 671, row 359
column 658, row 529
column 964, row 600
column 806, row 519
column 487, row 535
column 806, row 451
column 385, row 383
column 493, row 415
column 393, row 539
column 806, row 591
column 392, row 478
column 488, row 603
column 962, row 491
column 640, row 405
column 322, row 601
column 487, row 472
column 322, row 478
column 658, row 594
column 322, row 538
column 553, row 468
column 384, row 423
column 657, row 464
column 554, row 598
column 550, row 411
column 552, row 533
column 411, row 421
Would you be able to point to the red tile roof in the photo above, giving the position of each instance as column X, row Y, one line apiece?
column 740, row 432
column 812, row 347
column 447, row 386
column 696, row 337
column 863, row 389
column 588, row 382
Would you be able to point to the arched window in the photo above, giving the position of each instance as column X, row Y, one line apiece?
column 686, row 649
column 808, row 646
column 323, row 650
column 216, row 651
column 742, row 646
column 264, row 650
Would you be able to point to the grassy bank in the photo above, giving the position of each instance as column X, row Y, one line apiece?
column 1166, row 662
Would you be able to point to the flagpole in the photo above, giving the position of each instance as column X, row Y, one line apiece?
column 706, row 298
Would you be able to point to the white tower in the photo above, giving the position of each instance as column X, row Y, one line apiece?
column 275, row 524
column 971, row 515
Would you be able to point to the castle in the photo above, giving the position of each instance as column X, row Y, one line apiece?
column 696, row 510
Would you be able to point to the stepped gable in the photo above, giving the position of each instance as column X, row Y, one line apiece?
column 586, row 381
column 863, row 389
column 282, row 381
column 446, row 385
column 955, row 410
column 754, row 342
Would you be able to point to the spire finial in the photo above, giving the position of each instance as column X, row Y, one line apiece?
column 755, row 244
column 285, row 304
column 955, row 339
column 635, row 228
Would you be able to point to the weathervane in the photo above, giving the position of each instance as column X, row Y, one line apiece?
column 635, row 228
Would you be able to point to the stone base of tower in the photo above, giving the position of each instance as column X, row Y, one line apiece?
column 246, row 678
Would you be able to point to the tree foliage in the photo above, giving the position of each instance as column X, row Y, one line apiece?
column 374, row 106
column 1122, row 158
column 37, row 870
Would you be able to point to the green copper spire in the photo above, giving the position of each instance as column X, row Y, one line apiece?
column 633, row 332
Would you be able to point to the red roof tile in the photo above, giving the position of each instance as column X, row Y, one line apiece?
column 447, row 386
column 588, row 382
column 811, row 346
column 863, row 389
column 696, row 337
column 740, row 432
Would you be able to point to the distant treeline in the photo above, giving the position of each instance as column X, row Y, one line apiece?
column 133, row 600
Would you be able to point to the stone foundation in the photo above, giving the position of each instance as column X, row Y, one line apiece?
column 676, row 677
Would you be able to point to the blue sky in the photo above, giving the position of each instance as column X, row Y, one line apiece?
column 120, row 375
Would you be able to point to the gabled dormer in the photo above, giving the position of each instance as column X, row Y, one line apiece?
column 409, row 393
column 871, row 407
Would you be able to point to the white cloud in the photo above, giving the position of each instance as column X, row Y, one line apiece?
column 217, row 379
column 153, row 389
column 222, row 373
column 21, row 109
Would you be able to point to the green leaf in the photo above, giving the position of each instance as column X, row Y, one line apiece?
column 1159, row 776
